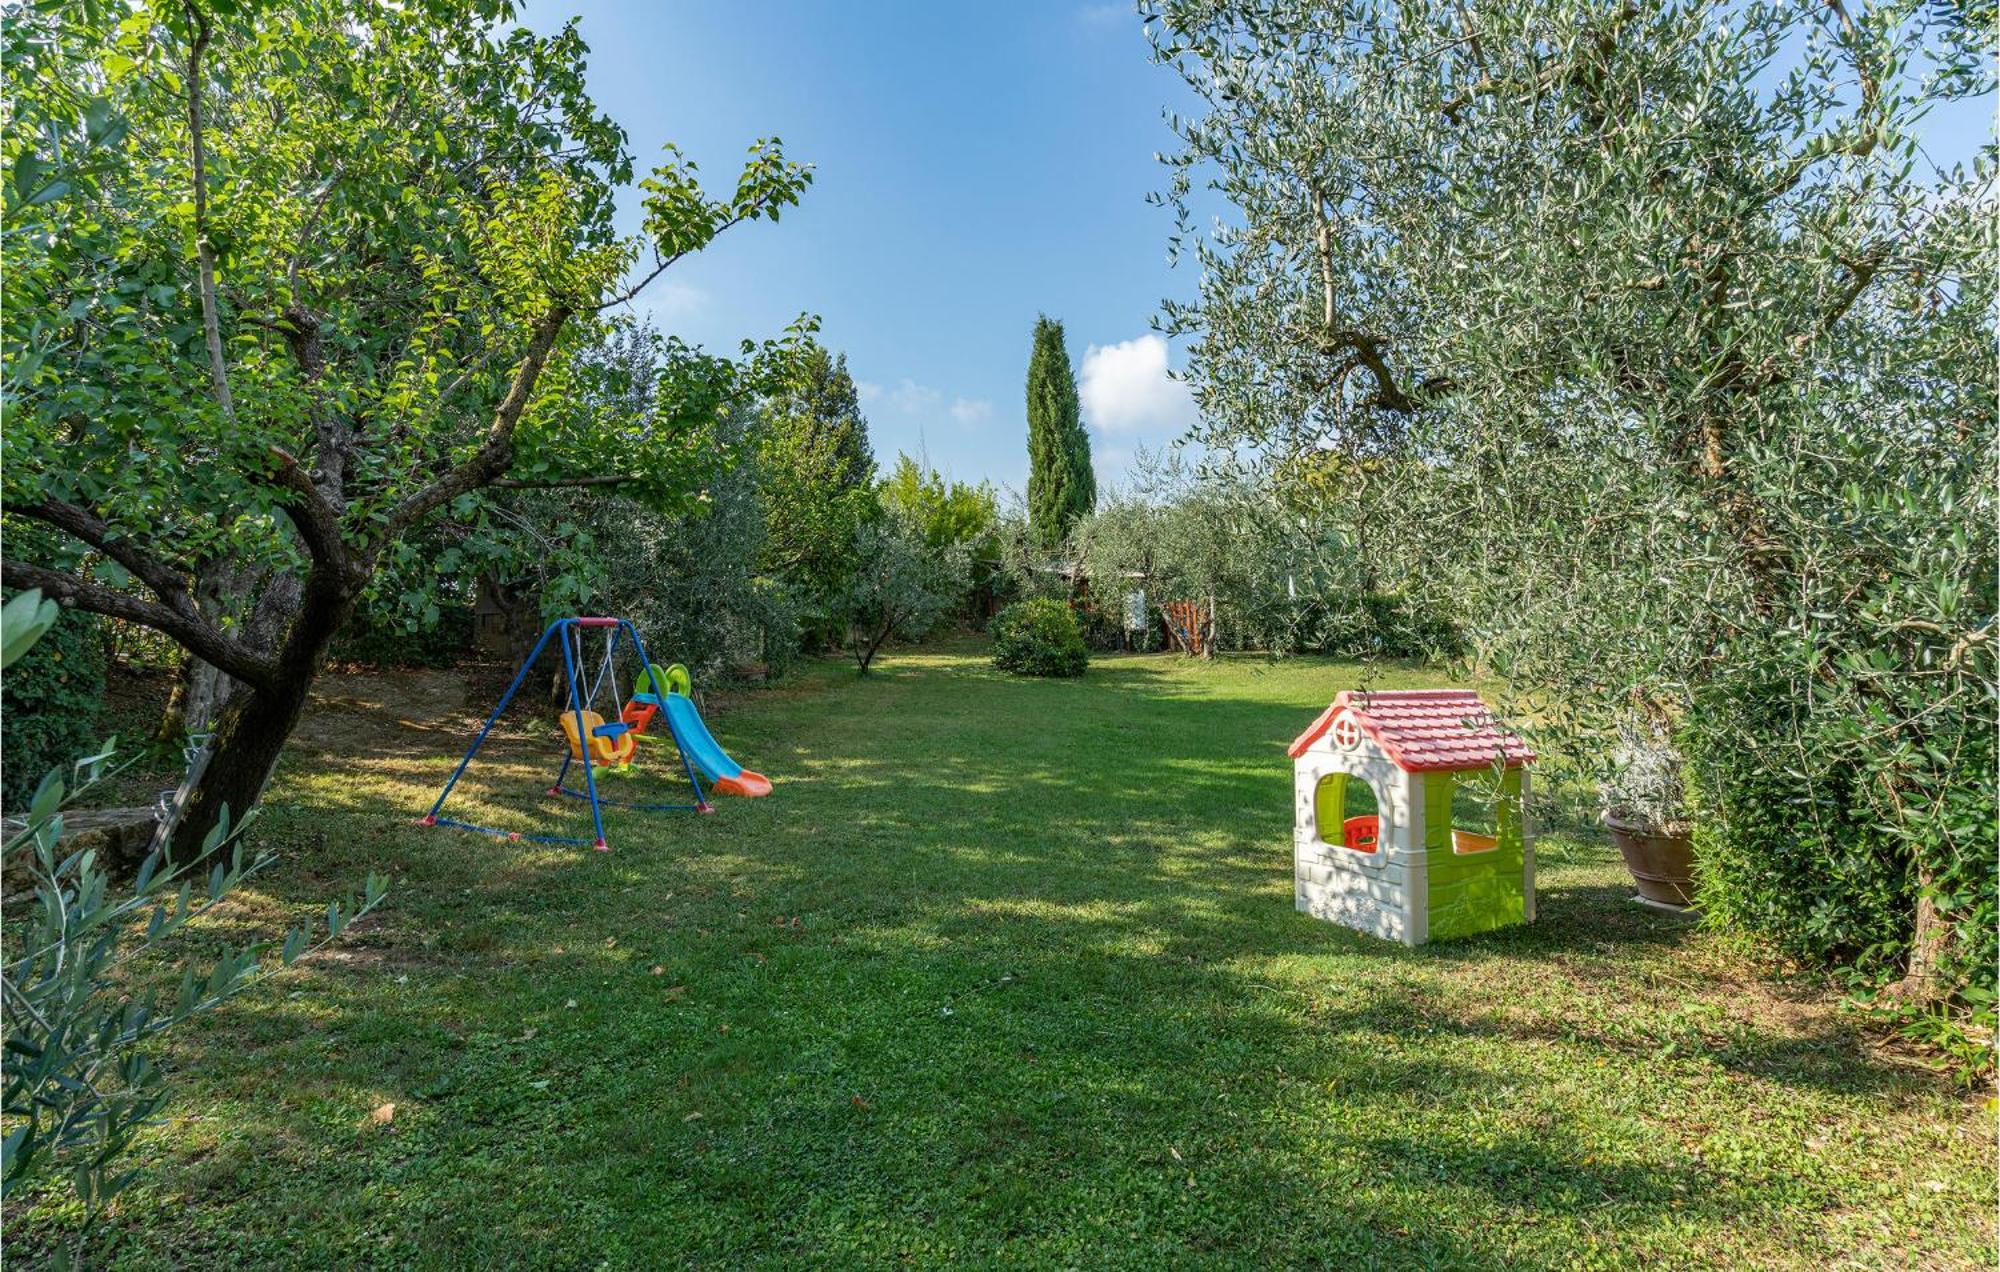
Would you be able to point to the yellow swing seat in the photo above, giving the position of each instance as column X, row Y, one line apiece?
column 609, row 751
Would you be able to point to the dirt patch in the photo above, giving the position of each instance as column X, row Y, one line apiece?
column 383, row 712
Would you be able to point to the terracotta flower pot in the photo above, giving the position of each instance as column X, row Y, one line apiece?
column 1660, row 858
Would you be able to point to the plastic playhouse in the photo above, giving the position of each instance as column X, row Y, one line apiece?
column 1411, row 821
column 598, row 747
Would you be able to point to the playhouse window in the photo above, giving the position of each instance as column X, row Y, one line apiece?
column 1477, row 797
column 1348, row 812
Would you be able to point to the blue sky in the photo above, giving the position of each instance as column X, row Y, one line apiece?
column 977, row 164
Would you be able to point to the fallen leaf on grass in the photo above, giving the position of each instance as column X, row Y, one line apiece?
column 692, row 1117
column 658, row 970
column 383, row 1114
column 860, row 1103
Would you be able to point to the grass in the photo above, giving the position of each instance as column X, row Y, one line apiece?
column 1006, row 971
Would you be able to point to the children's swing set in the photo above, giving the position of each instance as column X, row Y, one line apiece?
column 602, row 748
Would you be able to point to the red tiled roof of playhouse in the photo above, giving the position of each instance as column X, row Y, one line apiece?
column 1425, row 730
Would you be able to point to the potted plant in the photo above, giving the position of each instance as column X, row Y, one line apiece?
column 1645, row 810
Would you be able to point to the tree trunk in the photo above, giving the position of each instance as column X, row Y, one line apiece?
column 252, row 730
column 1921, row 982
column 241, row 758
column 201, row 691
column 866, row 654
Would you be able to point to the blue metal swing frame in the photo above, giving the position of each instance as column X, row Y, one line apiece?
column 561, row 630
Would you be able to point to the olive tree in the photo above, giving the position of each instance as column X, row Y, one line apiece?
column 287, row 281
column 1667, row 352
column 1280, row 577
column 900, row 587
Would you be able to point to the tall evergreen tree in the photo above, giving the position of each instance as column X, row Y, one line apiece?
column 818, row 473
column 1061, row 486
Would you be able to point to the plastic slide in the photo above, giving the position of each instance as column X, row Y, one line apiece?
column 699, row 746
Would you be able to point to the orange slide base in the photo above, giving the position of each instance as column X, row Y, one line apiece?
column 747, row 784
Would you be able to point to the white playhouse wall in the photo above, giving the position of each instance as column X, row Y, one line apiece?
column 1382, row 892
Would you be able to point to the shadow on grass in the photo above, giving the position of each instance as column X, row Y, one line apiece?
column 1005, row 969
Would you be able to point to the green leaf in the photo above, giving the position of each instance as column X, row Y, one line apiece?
column 24, row 619
column 49, row 193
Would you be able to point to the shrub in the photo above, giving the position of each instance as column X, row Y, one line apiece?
column 52, row 700
column 1804, row 854
column 1039, row 638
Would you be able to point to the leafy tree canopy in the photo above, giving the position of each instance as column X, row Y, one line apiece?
column 944, row 512
column 1645, row 337
column 288, row 279
column 818, row 471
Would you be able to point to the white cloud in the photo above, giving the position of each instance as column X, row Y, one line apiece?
column 912, row 398
column 1110, row 463
column 970, row 411
column 1126, row 389
column 907, row 398
column 921, row 402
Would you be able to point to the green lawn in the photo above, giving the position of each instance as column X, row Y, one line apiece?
column 1006, row 971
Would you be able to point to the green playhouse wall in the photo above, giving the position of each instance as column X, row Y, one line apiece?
column 1480, row 891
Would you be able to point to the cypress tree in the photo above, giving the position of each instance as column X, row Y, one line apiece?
column 1061, row 486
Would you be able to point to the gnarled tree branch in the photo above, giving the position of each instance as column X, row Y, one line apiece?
column 1362, row 349
column 195, row 634
column 168, row 582
column 1390, row 393
column 486, row 465
column 317, row 519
